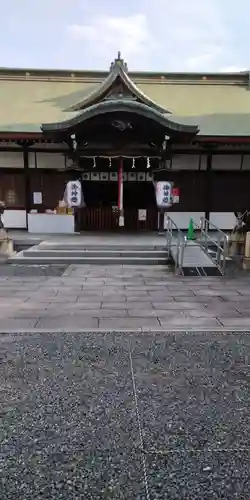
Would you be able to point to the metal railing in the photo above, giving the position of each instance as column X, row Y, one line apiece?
column 220, row 240
column 180, row 243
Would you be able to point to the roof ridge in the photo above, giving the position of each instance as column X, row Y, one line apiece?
column 118, row 69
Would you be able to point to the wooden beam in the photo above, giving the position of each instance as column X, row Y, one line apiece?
column 222, row 139
column 21, row 136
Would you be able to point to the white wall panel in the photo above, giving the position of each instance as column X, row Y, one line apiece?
column 10, row 144
column 223, row 220
column 51, row 224
column 14, row 219
column 226, row 162
column 185, row 162
column 11, row 159
column 182, row 219
column 50, row 160
column 246, row 162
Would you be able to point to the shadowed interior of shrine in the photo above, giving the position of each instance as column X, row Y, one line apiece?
column 105, row 194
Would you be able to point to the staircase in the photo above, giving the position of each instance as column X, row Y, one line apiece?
column 74, row 253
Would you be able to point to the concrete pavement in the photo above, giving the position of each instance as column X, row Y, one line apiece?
column 123, row 297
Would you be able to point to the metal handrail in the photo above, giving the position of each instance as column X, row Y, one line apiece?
column 181, row 242
column 221, row 243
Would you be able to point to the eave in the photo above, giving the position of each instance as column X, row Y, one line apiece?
column 120, row 106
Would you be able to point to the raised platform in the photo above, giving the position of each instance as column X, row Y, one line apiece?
column 106, row 249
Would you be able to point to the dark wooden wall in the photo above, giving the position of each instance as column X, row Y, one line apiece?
column 52, row 185
column 192, row 186
column 221, row 191
column 12, row 188
column 50, row 182
column 230, row 191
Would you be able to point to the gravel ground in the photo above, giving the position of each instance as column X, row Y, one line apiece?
column 151, row 416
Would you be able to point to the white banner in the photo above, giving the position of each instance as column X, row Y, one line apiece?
column 73, row 194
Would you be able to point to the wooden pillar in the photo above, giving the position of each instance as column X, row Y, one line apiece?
column 27, row 180
column 208, row 185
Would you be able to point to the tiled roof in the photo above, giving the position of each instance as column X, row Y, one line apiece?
column 218, row 104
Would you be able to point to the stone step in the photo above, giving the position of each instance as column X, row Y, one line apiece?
column 37, row 252
column 115, row 248
column 100, row 260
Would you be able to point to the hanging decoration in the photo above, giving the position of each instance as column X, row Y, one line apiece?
column 148, row 163
column 94, row 162
column 133, row 162
column 110, row 162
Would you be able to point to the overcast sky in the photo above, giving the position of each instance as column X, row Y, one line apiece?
column 167, row 35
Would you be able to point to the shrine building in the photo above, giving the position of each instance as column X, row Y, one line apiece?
column 192, row 129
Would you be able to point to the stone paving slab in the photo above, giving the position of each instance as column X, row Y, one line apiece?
column 186, row 323
column 123, row 297
column 128, row 305
column 235, row 322
column 17, row 323
column 67, row 323
column 128, row 323
column 46, row 298
column 211, row 313
column 86, row 304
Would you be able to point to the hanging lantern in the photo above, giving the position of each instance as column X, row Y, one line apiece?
column 133, row 163
column 163, row 191
column 148, row 163
column 73, row 195
column 94, row 162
